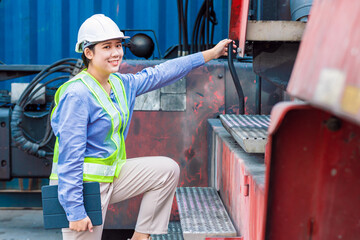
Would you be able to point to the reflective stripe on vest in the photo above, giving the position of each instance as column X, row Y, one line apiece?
column 101, row 169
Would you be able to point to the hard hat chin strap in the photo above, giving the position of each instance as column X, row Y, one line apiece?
column 86, row 44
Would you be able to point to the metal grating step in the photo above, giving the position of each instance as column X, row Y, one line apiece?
column 249, row 131
column 174, row 233
column 202, row 214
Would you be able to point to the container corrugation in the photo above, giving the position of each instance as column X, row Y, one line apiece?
column 42, row 31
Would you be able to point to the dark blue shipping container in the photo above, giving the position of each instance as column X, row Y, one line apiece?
column 44, row 31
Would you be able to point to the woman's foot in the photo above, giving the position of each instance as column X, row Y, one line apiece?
column 140, row 236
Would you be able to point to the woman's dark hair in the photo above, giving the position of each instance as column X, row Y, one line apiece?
column 84, row 58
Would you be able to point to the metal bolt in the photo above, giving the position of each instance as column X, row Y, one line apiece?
column 239, row 50
column 3, row 124
column 333, row 124
column 3, row 163
column 220, row 76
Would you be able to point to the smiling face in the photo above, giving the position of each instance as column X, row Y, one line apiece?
column 105, row 58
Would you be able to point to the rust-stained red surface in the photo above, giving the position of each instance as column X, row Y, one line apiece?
column 326, row 71
column 313, row 174
column 178, row 135
column 242, row 196
column 238, row 22
column 183, row 135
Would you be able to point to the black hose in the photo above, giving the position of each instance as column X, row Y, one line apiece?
column 196, row 34
column 258, row 95
column 180, row 28
column 48, row 132
column 201, row 38
column 61, row 68
column 42, row 86
column 34, row 81
column 196, row 27
column 212, row 35
column 18, row 136
column 183, row 35
column 214, row 22
column 17, row 133
column 186, row 17
column 184, row 26
column 181, row 21
column 201, row 29
column 186, row 9
column 236, row 79
column 207, row 24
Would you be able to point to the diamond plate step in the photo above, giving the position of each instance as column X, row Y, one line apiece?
column 202, row 214
column 249, row 131
column 174, row 233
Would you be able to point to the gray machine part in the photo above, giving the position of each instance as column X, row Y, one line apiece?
column 249, row 131
column 274, row 61
column 202, row 213
column 300, row 9
column 18, row 88
column 35, row 166
column 5, row 144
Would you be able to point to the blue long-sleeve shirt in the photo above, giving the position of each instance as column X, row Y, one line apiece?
column 79, row 124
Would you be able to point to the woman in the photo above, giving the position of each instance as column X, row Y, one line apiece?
column 91, row 120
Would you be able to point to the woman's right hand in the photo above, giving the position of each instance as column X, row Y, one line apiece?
column 81, row 225
column 221, row 49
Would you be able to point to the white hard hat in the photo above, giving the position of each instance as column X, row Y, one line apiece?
column 97, row 28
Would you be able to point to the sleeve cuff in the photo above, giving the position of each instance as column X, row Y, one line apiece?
column 76, row 213
column 197, row 59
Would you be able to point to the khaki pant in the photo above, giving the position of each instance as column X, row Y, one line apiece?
column 156, row 177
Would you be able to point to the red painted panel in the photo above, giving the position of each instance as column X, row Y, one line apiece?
column 313, row 174
column 243, row 197
column 224, row 238
column 326, row 71
column 238, row 22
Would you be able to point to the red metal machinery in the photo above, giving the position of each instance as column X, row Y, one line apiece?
column 312, row 180
column 312, row 155
column 238, row 22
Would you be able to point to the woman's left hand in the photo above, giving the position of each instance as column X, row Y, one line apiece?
column 221, row 49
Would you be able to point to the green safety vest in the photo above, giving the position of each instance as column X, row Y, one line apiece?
column 101, row 169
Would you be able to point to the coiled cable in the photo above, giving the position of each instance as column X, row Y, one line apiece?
column 67, row 67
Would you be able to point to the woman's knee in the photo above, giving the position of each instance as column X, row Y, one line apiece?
column 176, row 170
column 171, row 166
